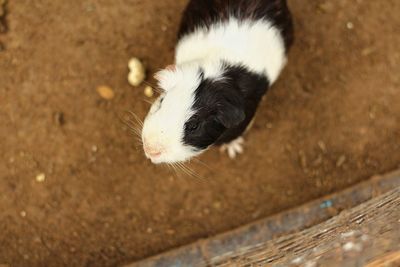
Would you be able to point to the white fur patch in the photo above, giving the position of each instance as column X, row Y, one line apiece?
column 164, row 125
column 257, row 45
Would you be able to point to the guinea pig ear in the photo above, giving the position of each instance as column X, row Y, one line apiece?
column 171, row 67
column 167, row 78
column 231, row 113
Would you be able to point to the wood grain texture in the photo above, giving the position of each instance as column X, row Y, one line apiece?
column 303, row 235
column 361, row 236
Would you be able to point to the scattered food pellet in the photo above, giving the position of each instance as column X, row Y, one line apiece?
column 149, row 230
column 217, row 205
column 326, row 7
column 350, row 25
column 367, row 51
column 40, row 177
column 94, row 148
column 137, row 72
column 148, row 91
column 23, row 213
column 106, row 92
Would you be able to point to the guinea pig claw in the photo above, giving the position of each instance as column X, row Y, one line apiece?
column 233, row 148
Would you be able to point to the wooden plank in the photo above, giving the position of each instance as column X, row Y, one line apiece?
column 388, row 260
column 360, row 236
column 224, row 248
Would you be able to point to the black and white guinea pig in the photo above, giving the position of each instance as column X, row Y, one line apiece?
column 229, row 53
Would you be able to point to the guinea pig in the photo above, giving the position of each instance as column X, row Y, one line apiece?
column 229, row 52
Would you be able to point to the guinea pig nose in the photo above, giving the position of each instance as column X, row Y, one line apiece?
column 152, row 151
column 154, row 154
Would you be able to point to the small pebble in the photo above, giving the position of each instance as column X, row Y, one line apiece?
column 105, row 92
column 322, row 146
column 303, row 159
column 59, row 118
column 341, row 161
column 364, row 238
column 350, row 246
column 148, row 91
column 367, row 51
column 326, row 204
column 170, row 232
column 40, row 177
column 23, row 213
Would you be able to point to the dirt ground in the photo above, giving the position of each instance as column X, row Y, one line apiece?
column 331, row 120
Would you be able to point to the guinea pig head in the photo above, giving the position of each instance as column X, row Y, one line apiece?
column 190, row 115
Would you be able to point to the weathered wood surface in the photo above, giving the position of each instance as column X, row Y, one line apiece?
column 367, row 235
column 235, row 247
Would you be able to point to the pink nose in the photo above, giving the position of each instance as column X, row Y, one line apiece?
column 151, row 151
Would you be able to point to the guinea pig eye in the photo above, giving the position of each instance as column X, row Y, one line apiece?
column 192, row 126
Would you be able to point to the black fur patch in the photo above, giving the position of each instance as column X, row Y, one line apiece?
column 224, row 107
column 204, row 13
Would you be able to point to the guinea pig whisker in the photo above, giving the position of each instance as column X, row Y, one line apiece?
column 174, row 170
column 136, row 117
column 182, row 169
column 202, row 163
column 135, row 130
column 155, row 88
column 187, row 170
column 133, row 125
column 147, row 101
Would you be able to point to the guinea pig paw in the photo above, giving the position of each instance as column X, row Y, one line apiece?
column 233, row 148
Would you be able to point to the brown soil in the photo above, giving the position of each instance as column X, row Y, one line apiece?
column 332, row 120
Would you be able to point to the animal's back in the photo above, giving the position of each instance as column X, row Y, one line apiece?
column 254, row 33
column 205, row 13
